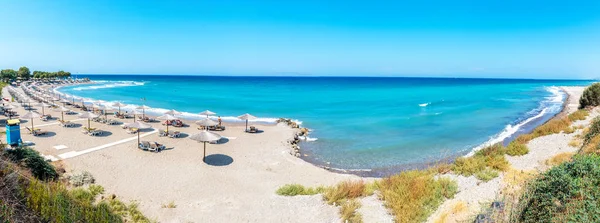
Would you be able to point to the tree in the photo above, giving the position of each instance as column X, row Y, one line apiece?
column 8, row 74
column 590, row 96
column 24, row 73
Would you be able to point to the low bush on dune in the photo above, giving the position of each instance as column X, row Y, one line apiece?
column 31, row 159
column 569, row 192
column 414, row 195
column 486, row 175
column 348, row 212
column 297, row 189
column 559, row 159
column 516, row 149
column 41, row 198
column 344, row 191
column 579, row 115
column 490, row 157
column 590, row 96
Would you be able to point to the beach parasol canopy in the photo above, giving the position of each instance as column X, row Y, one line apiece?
column 9, row 107
column 143, row 107
column 88, row 115
column 135, row 112
column 246, row 117
column 206, row 122
column 43, row 105
column 207, row 113
column 119, row 105
column 173, row 112
column 138, row 125
column 167, row 117
column 31, row 115
column 204, row 137
column 62, row 111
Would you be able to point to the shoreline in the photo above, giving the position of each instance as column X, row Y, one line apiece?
column 297, row 141
column 241, row 173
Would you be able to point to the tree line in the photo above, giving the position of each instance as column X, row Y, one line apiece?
column 25, row 74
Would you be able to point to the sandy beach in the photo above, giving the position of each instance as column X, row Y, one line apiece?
column 236, row 184
column 238, row 180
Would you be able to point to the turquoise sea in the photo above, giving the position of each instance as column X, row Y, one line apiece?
column 373, row 126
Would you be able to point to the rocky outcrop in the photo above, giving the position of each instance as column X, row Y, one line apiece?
column 294, row 143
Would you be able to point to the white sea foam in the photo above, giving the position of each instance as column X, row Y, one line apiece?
column 109, row 84
column 425, row 104
column 552, row 103
column 161, row 111
column 308, row 139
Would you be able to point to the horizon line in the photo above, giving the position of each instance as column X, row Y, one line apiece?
column 333, row 76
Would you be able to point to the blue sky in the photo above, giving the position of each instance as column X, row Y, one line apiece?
column 529, row 39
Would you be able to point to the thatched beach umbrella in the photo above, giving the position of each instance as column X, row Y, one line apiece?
column 43, row 105
column 143, row 107
column 167, row 117
column 64, row 101
column 173, row 112
column 207, row 113
column 204, row 137
column 102, row 108
column 119, row 105
column 62, row 111
column 135, row 112
column 246, row 117
column 206, row 122
column 31, row 115
column 9, row 107
column 138, row 125
column 88, row 115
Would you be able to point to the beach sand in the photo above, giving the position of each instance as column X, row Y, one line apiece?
column 236, row 184
column 475, row 194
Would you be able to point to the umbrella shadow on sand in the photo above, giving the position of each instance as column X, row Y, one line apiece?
column 221, row 141
column 218, row 160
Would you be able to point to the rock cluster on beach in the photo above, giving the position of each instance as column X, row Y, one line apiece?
column 295, row 148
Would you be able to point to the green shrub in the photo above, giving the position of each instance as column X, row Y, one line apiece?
column 569, row 192
column 38, row 166
column 516, row 149
column 590, row 96
column 593, row 131
column 467, row 166
column 81, row 178
column 297, row 189
column 486, row 175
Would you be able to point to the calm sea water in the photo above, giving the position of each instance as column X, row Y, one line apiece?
column 357, row 123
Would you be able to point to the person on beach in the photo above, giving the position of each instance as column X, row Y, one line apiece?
column 219, row 120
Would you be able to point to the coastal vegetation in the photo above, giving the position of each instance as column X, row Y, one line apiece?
column 31, row 190
column 569, row 192
column 590, row 96
column 411, row 195
column 23, row 73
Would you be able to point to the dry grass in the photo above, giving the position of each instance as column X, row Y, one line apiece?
column 346, row 190
column 169, row 205
column 580, row 114
column 575, row 143
column 413, row 195
column 591, row 146
column 450, row 215
column 348, row 212
column 559, row 158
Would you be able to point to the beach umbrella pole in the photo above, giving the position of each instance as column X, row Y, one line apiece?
column 246, row 125
column 138, row 131
column 31, row 124
column 204, row 157
column 62, row 115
